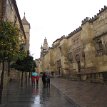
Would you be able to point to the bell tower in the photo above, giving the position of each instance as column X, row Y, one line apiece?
column 44, row 48
column 26, row 26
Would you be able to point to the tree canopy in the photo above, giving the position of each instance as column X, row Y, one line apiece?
column 9, row 40
column 27, row 64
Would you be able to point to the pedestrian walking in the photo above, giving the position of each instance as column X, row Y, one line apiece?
column 37, row 79
column 44, row 79
column 47, row 80
column 33, row 77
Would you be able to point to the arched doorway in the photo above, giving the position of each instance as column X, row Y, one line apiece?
column 77, row 57
column 59, row 67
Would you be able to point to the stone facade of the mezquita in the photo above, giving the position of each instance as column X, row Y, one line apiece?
column 82, row 54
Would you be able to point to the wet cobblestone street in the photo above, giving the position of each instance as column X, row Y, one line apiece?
column 62, row 93
column 83, row 93
column 16, row 96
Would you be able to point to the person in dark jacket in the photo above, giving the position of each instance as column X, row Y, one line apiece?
column 44, row 79
column 37, row 79
column 48, row 80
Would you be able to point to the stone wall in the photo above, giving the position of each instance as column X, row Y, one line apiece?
column 83, row 52
column 9, row 11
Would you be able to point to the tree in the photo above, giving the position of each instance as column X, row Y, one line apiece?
column 9, row 43
column 27, row 64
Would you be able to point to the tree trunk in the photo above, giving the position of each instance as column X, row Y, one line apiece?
column 1, row 95
column 26, row 78
column 22, row 79
column 2, row 75
column 1, row 84
column 8, row 67
column 29, row 74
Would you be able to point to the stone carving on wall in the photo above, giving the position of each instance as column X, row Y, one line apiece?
column 58, row 63
column 106, row 48
column 99, row 46
column 70, row 56
column 77, row 57
column 100, row 42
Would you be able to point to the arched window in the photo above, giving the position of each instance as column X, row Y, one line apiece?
column 99, row 46
column 70, row 57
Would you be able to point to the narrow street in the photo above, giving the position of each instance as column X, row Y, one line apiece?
column 28, row 96
column 62, row 93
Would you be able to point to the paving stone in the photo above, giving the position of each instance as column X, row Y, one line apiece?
column 83, row 93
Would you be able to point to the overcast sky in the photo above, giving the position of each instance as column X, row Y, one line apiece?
column 55, row 18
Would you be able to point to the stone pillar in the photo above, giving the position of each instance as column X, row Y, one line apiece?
column 87, row 40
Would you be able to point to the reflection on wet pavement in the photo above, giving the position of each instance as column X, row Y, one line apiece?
column 15, row 96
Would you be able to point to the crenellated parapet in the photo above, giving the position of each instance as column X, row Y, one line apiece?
column 102, row 9
column 59, row 39
column 74, row 32
column 95, row 17
column 87, row 19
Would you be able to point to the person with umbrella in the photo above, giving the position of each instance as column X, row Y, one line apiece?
column 33, row 76
column 37, row 79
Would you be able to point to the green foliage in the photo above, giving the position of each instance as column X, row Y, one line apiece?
column 29, row 64
column 9, row 40
column 21, row 54
column 26, row 64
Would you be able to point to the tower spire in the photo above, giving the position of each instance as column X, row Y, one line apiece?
column 24, row 21
column 24, row 14
column 44, row 48
column 45, row 44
